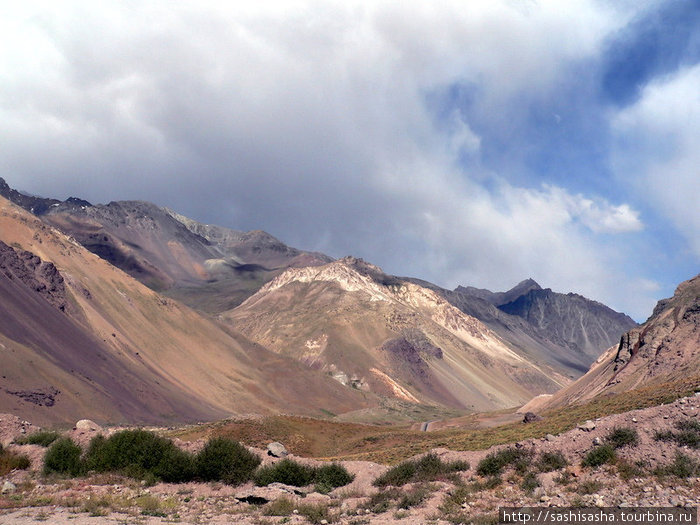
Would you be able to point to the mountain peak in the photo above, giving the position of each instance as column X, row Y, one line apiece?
column 523, row 287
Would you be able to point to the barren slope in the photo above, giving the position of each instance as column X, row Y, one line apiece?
column 120, row 352
column 376, row 333
column 665, row 348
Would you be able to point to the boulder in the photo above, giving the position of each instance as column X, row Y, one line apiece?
column 89, row 425
column 587, row 426
column 277, row 450
column 8, row 487
column 530, row 417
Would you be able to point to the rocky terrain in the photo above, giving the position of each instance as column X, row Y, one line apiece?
column 381, row 334
column 665, row 347
column 565, row 330
column 80, row 337
column 646, row 473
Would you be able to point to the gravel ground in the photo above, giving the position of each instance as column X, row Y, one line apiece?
column 113, row 499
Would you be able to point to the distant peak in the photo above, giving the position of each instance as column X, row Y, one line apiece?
column 528, row 283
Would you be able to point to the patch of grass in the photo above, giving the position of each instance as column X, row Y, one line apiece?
column 622, row 437
column 628, row 470
column 427, row 468
column 599, row 455
column 63, row 457
column 589, row 487
column 43, row 438
column 416, row 496
column 151, row 506
column 564, row 478
column 10, row 461
column 551, row 461
column 688, row 434
column 316, row 513
column 226, row 460
column 279, row 507
column 683, row 466
column 529, row 482
column 494, row 463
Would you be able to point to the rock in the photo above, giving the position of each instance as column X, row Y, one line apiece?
column 530, row 417
column 277, row 450
column 587, row 426
column 550, row 437
column 682, row 401
column 545, row 499
column 8, row 487
column 634, row 420
column 597, row 441
column 89, row 425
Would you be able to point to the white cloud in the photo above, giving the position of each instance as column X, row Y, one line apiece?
column 310, row 120
column 657, row 150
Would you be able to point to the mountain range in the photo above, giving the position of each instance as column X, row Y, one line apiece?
column 130, row 311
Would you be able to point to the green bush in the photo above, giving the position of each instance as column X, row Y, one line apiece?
column 43, row 438
column 226, row 460
column 140, row 454
column 286, row 471
column 494, row 463
column 292, row 473
column 622, row 437
column 331, row 476
column 550, row 461
column 63, row 457
column 428, row 468
column 599, row 456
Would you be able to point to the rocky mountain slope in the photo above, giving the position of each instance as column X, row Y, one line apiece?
column 664, row 348
column 208, row 267
column 80, row 338
column 377, row 333
column 566, row 331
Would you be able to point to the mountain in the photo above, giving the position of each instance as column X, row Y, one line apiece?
column 80, row 338
column 665, row 348
column 565, row 331
column 378, row 333
column 208, row 267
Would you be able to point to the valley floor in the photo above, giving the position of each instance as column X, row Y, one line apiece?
column 654, row 472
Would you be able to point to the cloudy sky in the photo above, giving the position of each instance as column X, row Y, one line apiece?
column 470, row 142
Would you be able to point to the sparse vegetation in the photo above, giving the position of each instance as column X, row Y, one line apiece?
column 316, row 513
column 43, row 438
column 550, row 461
column 599, row 455
column 622, row 437
column 10, row 461
column 428, row 468
column 688, row 434
column 683, row 466
column 494, row 463
column 279, row 507
column 529, row 482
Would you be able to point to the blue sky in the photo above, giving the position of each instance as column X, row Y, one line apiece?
column 475, row 143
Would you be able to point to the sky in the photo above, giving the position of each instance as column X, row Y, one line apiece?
column 475, row 142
